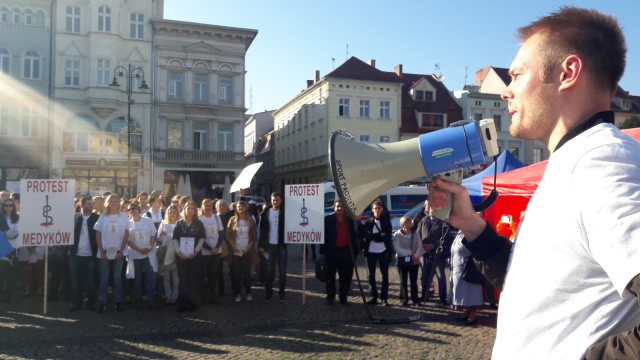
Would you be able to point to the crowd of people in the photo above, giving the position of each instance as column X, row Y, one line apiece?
column 136, row 251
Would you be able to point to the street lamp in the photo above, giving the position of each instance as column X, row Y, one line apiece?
column 130, row 72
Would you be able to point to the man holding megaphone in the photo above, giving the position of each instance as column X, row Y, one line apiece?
column 569, row 290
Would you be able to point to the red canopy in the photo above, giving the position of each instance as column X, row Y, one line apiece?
column 517, row 186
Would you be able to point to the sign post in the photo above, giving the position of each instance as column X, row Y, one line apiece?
column 48, row 204
column 304, row 219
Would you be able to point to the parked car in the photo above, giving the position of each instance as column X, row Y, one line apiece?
column 258, row 199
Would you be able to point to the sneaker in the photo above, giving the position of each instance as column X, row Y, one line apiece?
column 267, row 299
column 282, row 299
column 102, row 309
column 249, row 297
column 238, row 298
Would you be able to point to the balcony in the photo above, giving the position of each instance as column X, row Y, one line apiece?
column 197, row 155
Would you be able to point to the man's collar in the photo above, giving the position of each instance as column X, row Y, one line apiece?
column 597, row 118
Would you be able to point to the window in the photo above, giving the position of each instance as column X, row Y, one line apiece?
column 72, row 73
column 496, row 104
column 5, row 57
column 136, row 27
column 4, row 120
column 16, row 16
column 201, row 88
column 175, row 85
column 365, row 138
column 537, row 155
column 515, row 151
column 104, row 19
column 225, row 90
column 365, row 109
column 82, row 134
column 28, row 17
column 31, row 65
column 419, row 95
column 104, row 72
column 306, row 117
column 117, row 136
column 299, row 121
column 225, row 137
column 477, row 116
column 478, row 103
column 343, row 107
column 428, row 95
column 72, row 19
column 4, row 15
column 497, row 120
column 385, row 109
column 385, row 138
column 432, row 121
column 200, row 135
column 29, row 121
column 174, row 135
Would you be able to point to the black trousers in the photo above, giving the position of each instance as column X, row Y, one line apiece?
column 344, row 267
column 188, row 272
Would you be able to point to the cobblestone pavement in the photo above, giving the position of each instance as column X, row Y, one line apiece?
column 275, row 330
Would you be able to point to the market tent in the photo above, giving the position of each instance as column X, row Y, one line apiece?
column 516, row 188
column 506, row 162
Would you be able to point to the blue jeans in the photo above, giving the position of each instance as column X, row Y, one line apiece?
column 140, row 265
column 115, row 268
column 427, row 263
column 83, row 275
column 383, row 259
column 277, row 253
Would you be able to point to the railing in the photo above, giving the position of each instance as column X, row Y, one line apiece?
column 197, row 155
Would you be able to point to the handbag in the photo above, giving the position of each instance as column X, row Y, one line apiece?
column 471, row 274
column 321, row 270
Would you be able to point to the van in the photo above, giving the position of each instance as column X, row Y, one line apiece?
column 398, row 200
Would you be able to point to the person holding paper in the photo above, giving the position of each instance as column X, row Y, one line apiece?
column 141, row 244
column 241, row 236
column 211, row 252
column 82, row 263
column 170, row 270
column 112, row 235
column 188, row 238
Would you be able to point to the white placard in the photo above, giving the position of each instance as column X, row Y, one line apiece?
column 187, row 245
column 304, row 214
column 47, row 209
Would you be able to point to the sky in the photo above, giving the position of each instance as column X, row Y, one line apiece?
column 454, row 38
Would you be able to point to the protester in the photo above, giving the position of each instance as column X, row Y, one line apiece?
column 112, row 235
column 82, row 260
column 378, row 250
column 338, row 253
column 188, row 238
column 408, row 248
column 272, row 244
column 572, row 287
column 142, row 258
column 169, row 268
column 241, row 237
column 211, row 252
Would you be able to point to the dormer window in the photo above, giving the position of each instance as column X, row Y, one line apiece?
column 422, row 95
column 626, row 104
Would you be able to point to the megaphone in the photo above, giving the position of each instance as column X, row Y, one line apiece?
column 363, row 171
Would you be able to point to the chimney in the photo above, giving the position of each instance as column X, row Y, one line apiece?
column 317, row 76
column 398, row 69
column 372, row 63
column 309, row 83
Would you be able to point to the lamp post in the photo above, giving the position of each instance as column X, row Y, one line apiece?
column 130, row 73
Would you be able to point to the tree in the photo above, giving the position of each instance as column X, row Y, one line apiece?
column 631, row 122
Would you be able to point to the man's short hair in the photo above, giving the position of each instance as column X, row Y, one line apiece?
column 275, row 193
column 595, row 37
column 142, row 193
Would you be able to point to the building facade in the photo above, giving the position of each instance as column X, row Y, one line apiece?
column 199, row 111
column 25, row 74
column 97, row 43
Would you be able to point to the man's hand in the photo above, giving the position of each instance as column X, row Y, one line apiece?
column 463, row 216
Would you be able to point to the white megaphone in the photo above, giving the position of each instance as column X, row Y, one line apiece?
column 362, row 171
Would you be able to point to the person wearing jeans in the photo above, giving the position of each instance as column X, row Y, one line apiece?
column 378, row 249
column 141, row 244
column 82, row 262
column 112, row 235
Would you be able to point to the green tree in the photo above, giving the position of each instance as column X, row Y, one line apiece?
column 631, row 122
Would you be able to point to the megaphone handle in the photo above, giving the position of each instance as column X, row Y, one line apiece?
column 454, row 176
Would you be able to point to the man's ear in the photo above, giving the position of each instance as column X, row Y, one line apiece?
column 571, row 71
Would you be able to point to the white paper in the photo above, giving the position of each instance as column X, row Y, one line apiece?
column 266, row 255
column 112, row 252
column 187, row 245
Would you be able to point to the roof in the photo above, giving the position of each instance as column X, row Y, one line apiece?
column 357, row 69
